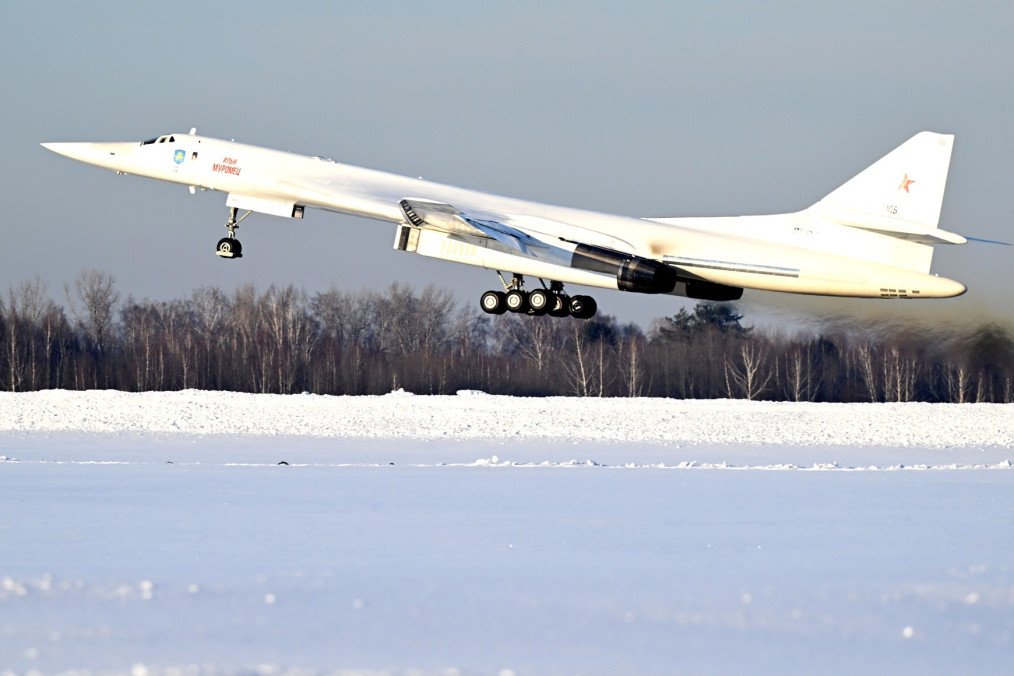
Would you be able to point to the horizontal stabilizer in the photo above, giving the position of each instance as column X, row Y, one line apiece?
column 911, row 232
column 986, row 241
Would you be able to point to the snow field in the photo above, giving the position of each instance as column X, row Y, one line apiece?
column 152, row 534
column 220, row 568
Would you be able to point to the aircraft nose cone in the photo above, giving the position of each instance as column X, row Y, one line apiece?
column 110, row 155
column 72, row 150
column 92, row 153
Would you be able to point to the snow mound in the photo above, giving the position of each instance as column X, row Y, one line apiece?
column 473, row 415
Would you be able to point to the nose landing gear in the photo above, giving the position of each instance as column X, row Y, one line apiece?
column 230, row 247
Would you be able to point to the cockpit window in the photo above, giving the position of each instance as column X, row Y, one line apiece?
column 159, row 139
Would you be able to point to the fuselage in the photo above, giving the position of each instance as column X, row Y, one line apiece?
column 797, row 252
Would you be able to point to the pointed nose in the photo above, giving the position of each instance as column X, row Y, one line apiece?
column 75, row 151
column 101, row 154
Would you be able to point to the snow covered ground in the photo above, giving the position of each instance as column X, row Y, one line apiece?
column 475, row 415
column 157, row 533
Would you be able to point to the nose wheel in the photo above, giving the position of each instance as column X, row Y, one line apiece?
column 230, row 247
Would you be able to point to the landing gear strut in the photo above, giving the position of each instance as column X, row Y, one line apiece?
column 552, row 301
column 230, row 247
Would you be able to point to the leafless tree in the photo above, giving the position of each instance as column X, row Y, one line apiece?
column 898, row 374
column 631, row 365
column 800, row 382
column 26, row 305
column 537, row 340
column 747, row 373
column 211, row 310
column 578, row 367
column 958, row 380
column 96, row 292
column 865, row 357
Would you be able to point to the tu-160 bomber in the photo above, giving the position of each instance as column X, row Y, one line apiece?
column 873, row 237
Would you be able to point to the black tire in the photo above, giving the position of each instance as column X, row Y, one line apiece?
column 493, row 302
column 229, row 248
column 561, row 305
column 517, row 301
column 541, row 301
column 583, row 307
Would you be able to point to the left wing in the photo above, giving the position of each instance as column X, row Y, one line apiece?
column 423, row 213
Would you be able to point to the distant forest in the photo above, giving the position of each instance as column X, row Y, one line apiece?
column 284, row 340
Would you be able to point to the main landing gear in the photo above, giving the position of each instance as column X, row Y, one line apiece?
column 230, row 247
column 552, row 301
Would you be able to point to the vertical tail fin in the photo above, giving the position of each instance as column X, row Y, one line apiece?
column 899, row 195
column 904, row 188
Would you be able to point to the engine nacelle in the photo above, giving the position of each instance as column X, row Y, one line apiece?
column 646, row 276
column 633, row 273
column 720, row 293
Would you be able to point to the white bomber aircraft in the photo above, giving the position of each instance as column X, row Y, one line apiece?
column 871, row 238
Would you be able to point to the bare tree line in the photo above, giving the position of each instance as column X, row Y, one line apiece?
column 284, row 340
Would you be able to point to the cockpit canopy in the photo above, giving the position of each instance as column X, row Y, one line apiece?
column 159, row 139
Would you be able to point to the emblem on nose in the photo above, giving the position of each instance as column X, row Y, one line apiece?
column 180, row 156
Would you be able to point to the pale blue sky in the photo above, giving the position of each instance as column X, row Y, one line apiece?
column 647, row 109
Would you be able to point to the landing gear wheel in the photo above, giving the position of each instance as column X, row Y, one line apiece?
column 493, row 302
column 517, row 301
column 561, row 305
column 583, row 307
column 229, row 248
column 541, row 301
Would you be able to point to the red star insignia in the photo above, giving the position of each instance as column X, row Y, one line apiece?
column 905, row 182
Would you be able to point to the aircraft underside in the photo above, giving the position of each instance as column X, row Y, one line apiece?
column 550, row 299
column 586, row 265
